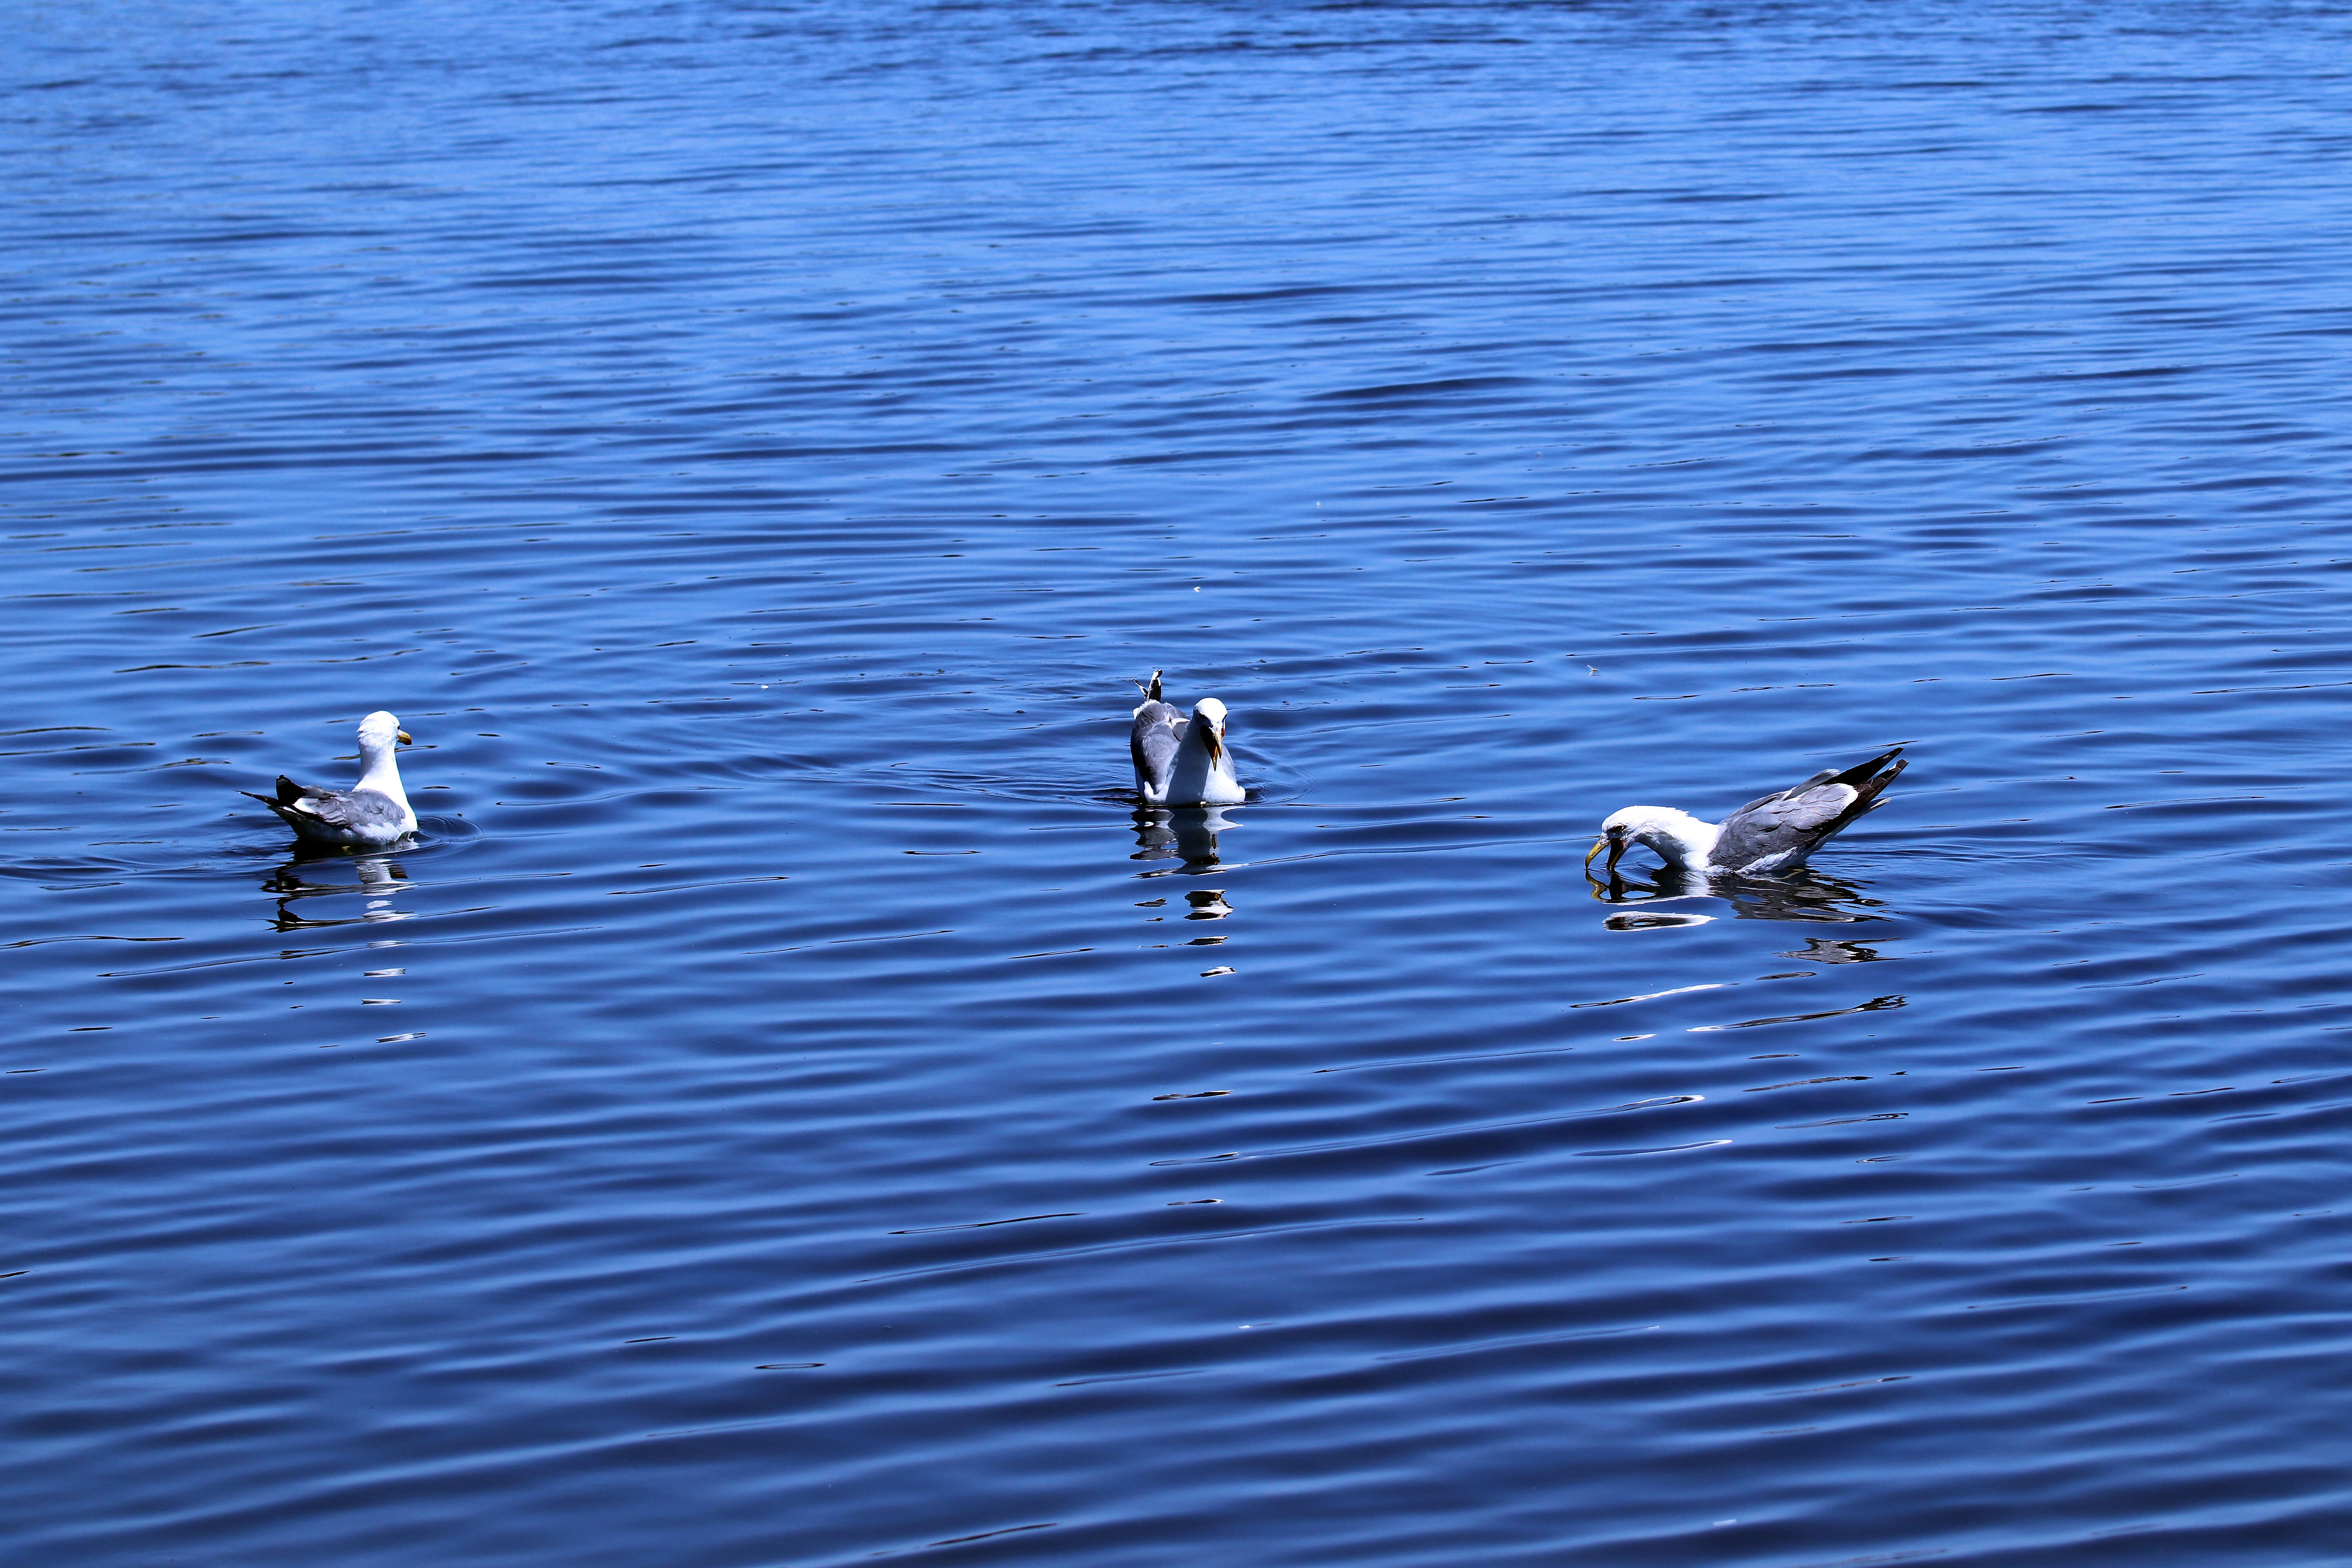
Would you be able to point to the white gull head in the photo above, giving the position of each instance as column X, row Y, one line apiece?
column 380, row 740
column 1205, row 766
column 1680, row 839
column 379, row 731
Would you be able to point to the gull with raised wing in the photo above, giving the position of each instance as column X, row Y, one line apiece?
column 370, row 814
column 1773, row 833
column 1181, row 761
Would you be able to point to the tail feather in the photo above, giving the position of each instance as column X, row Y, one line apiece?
column 277, row 807
column 1870, row 793
column 1864, row 773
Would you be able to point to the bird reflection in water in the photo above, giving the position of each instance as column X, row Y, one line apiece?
column 1803, row 895
column 1187, row 835
column 379, row 878
column 1183, row 833
column 1826, row 949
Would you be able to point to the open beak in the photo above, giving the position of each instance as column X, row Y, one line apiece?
column 1616, row 848
column 403, row 737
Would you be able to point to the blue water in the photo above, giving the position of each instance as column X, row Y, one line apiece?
column 787, row 1109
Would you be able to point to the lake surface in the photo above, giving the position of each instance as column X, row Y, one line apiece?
column 788, row 1108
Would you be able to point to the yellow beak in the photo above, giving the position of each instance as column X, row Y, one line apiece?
column 407, row 739
column 1598, row 845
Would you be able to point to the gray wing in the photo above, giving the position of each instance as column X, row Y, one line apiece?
column 307, row 808
column 359, row 809
column 1822, row 777
column 1159, row 730
column 1782, row 828
column 1778, row 831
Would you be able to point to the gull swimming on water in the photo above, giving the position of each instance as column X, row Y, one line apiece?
column 1773, row 833
column 1180, row 761
column 370, row 814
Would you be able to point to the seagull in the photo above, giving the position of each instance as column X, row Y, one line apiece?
column 370, row 814
column 1180, row 761
column 1773, row 833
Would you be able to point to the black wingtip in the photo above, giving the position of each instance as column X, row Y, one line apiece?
column 1150, row 688
column 1860, row 774
column 276, row 809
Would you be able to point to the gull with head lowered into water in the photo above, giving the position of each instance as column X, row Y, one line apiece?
column 1181, row 760
column 1773, row 833
column 370, row 814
